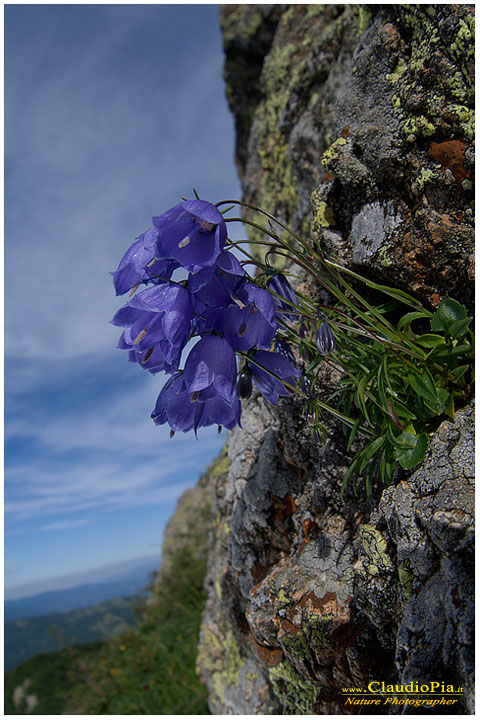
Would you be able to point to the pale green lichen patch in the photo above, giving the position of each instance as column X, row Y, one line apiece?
column 278, row 188
column 296, row 694
column 322, row 214
column 282, row 600
column 426, row 176
column 405, row 576
column 364, row 16
column 221, row 659
column 332, row 152
column 321, row 628
column 375, row 547
column 395, row 76
column 434, row 87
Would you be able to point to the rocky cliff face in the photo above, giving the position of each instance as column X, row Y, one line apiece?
column 355, row 126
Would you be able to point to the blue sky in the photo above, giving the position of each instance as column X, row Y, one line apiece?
column 112, row 114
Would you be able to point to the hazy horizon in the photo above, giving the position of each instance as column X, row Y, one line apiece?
column 95, row 574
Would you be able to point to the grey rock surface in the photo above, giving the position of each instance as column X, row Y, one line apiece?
column 358, row 133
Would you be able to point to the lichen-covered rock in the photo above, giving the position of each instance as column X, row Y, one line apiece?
column 355, row 127
column 423, row 535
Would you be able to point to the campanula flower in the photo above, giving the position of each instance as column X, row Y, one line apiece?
column 253, row 324
column 193, row 233
column 140, row 264
column 218, row 412
column 280, row 285
column 215, row 286
column 271, row 362
column 174, row 406
column 324, row 338
column 158, row 322
column 211, row 369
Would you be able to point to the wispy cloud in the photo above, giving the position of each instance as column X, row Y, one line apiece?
column 112, row 458
column 63, row 524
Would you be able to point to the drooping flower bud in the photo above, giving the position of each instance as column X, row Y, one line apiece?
column 311, row 413
column 279, row 284
column 244, row 383
column 303, row 331
column 324, row 338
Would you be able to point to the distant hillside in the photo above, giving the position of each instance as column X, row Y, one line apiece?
column 131, row 582
column 27, row 637
column 149, row 668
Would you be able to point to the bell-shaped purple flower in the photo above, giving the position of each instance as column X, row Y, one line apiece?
column 193, row 233
column 274, row 368
column 215, row 286
column 218, row 412
column 140, row 264
column 173, row 406
column 185, row 411
column 280, row 285
column 324, row 338
column 211, row 369
column 158, row 322
column 253, row 324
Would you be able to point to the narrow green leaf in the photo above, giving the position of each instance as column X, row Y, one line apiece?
column 402, row 411
column 351, row 469
column 440, row 352
column 387, row 465
column 353, row 433
column 369, row 480
column 369, row 451
column 360, row 396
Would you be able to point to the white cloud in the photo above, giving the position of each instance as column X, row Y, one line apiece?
column 99, row 153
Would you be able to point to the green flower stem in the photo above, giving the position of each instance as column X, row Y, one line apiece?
column 252, row 259
column 333, row 411
column 333, row 268
column 392, row 292
column 270, row 217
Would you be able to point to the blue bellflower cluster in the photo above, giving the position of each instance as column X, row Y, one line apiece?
column 216, row 303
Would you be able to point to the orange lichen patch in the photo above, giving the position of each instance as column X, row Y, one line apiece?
column 451, row 154
column 270, row 656
column 390, row 35
column 435, row 299
column 327, row 603
column 345, row 132
column 308, row 527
